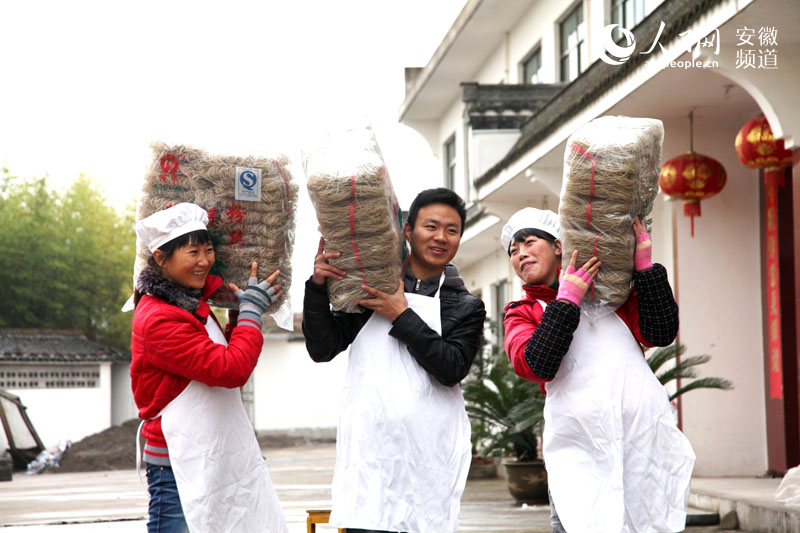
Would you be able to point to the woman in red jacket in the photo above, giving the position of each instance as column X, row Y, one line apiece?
column 185, row 374
column 614, row 457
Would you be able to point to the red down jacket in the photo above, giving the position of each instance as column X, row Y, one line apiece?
column 170, row 347
column 524, row 316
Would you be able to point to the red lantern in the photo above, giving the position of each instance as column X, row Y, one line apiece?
column 758, row 148
column 692, row 177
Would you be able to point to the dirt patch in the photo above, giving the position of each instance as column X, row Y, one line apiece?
column 111, row 449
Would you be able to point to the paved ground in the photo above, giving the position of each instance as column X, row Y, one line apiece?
column 115, row 501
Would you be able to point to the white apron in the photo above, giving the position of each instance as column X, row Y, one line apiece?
column 615, row 459
column 403, row 442
column 222, row 479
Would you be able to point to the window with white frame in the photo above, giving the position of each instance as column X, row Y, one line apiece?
column 626, row 13
column 573, row 44
column 450, row 163
column 532, row 66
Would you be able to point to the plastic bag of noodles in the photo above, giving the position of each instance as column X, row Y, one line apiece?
column 611, row 169
column 358, row 215
column 251, row 203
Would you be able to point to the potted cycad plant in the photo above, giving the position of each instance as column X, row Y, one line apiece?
column 508, row 413
column 682, row 369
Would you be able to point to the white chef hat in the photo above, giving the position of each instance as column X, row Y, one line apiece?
column 164, row 226
column 530, row 218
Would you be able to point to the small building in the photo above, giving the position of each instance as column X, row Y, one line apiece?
column 72, row 387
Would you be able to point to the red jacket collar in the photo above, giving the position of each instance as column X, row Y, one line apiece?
column 213, row 283
column 540, row 292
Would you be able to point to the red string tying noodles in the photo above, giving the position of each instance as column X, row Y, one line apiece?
column 353, row 226
column 578, row 148
column 286, row 183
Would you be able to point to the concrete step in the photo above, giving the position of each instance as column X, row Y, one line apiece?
column 745, row 503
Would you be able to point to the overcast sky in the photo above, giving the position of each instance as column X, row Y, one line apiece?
column 86, row 86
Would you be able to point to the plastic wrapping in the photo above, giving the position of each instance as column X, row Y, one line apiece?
column 611, row 169
column 789, row 490
column 251, row 203
column 49, row 459
column 358, row 215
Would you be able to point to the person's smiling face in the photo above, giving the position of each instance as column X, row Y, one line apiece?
column 536, row 260
column 189, row 265
column 434, row 239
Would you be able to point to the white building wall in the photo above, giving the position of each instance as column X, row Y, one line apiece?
column 487, row 147
column 61, row 414
column 123, row 407
column 452, row 123
column 292, row 391
column 536, row 27
column 482, row 275
column 493, row 70
column 720, row 296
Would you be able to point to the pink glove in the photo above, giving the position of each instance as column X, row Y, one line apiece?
column 643, row 256
column 573, row 285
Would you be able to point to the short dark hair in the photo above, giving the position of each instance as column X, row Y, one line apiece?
column 524, row 233
column 440, row 195
column 193, row 238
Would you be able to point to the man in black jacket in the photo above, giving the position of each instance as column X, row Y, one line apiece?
column 434, row 229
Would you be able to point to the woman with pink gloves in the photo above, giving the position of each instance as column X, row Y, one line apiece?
column 615, row 459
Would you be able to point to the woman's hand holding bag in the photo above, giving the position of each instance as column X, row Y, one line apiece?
column 256, row 298
column 574, row 283
column 643, row 255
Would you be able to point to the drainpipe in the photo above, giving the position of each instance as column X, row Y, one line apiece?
column 467, row 167
column 507, row 44
column 677, row 300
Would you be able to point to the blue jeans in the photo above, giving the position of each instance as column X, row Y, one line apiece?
column 166, row 513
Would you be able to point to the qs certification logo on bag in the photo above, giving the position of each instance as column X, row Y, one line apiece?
column 248, row 184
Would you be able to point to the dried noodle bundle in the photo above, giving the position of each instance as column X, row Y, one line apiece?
column 259, row 228
column 358, row 216
column 611, row 168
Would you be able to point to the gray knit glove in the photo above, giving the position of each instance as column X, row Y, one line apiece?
column 254, row 301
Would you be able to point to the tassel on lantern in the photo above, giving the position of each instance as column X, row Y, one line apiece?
column 691, row 209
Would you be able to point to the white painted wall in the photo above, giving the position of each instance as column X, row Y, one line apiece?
column 292, row 391
column 493, row 70
column 482, row 275
column 488, row 147
column 453, row 124
column 537, row 27
column 59, row 414
column 123, row 407
column 720, row 290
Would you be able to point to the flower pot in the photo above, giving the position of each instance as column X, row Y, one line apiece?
column 527, row 481
column 482, row 468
